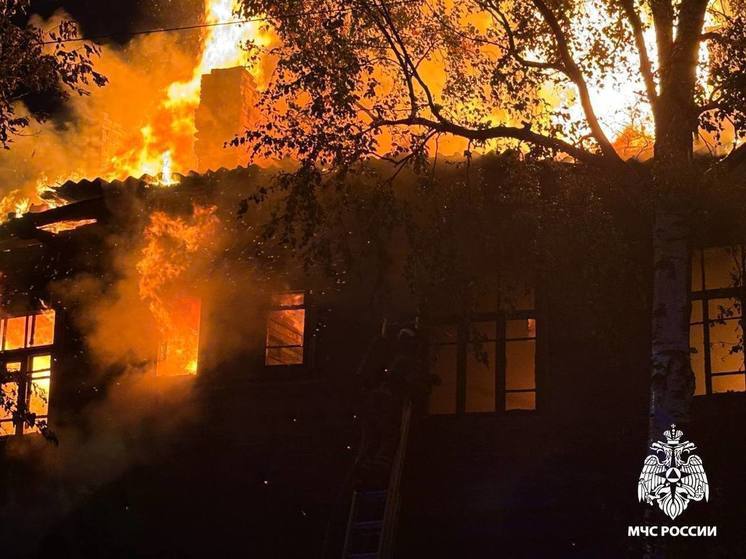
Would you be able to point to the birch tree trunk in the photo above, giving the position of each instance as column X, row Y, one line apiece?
column 672, row 381
column 675, row 109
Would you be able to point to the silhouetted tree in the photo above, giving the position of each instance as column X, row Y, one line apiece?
column 38, row 62
column 388, row 79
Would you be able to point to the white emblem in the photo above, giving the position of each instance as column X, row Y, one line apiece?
column 672, row 481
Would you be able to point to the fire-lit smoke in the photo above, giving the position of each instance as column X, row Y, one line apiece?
column 141, row 123
column 171, row 242
column 167, row 139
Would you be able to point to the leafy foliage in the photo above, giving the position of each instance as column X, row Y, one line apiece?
column 387, row 79
column 33, row 61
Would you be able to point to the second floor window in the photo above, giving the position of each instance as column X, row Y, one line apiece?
column 286, row 324
column 486, row 366
column 178, row 347
column 716, row 325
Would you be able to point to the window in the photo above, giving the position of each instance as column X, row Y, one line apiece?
column 485, row 366
column 285, row 330
column 25, row 372
column 716, row 325
column 178, row 350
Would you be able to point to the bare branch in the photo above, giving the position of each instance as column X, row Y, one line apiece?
column 401, row 61
column 411, row 66
column 711, row 36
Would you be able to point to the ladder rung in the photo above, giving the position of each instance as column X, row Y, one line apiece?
column 372, row 495
column 367, row 525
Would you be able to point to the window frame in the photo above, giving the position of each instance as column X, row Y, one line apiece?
column 164, row 343
column 464, row 342
column 704, row 296
column 276, row 306
column 26, row 375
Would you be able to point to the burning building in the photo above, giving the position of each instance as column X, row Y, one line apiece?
column 174, row 368
column 158, row 355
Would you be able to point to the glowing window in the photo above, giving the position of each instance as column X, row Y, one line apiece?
column 286, row 324
column 178, row 351
column 485, row 366
column 25, row 391
column 25, row 372
column 520, row 364
column 37, row 390
column 716, row 323
column 8, row 402
column 34, row 330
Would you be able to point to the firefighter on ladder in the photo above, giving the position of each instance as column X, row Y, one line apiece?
column 392, row 374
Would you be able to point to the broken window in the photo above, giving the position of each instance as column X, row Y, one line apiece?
column 178, row 350
column 25, row 372
column 716, row 324
column 286, row 330
column 486, row 365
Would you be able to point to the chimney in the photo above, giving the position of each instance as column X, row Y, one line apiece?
column 225, row 109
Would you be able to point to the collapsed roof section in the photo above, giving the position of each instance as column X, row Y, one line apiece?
column 87, row 203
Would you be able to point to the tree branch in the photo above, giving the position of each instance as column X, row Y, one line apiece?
column 400, row 60
column 711, row 36
column 495, row 132
column 513, row 49
column 411, row 67
column 573, row 72
column 663, row 20
column 646, row 69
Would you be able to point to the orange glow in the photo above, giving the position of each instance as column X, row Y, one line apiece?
column 10, row 396
column 43, row 329
column 160, row 143
column 34, row 330
column 178, row 353
column 30, row 393
column 286, row 330
column 165, row 144
column 171, row 243
column 14, row 336
column 66, row 225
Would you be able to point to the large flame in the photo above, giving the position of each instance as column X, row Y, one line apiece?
column 166, row 142
column 171, row 244
column 162, row 146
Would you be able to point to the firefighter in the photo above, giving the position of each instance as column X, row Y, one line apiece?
column 394, row 374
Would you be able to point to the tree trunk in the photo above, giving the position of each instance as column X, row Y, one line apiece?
column 672, row 380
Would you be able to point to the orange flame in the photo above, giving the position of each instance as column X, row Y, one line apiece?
column 167, row 140
column 171, row 244
column 164, row 145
